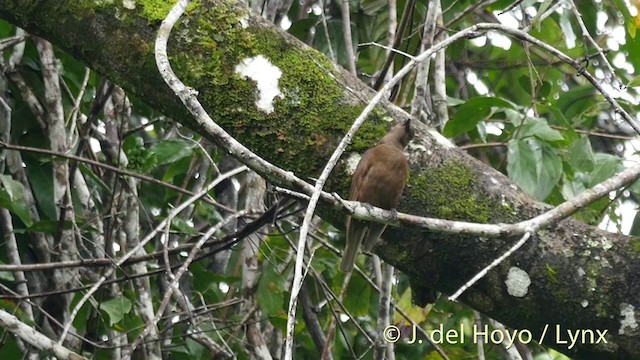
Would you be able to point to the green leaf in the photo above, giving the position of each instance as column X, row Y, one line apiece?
column 40, row 175
column 567, row 31
column 270, row 291
column 534, row 166
column 358, row 305
column 14, row 189
column 90, row 175
column 545, row 5
column 6, row 275
column 471, row 112
column 581, row 155
column 12, row 199
column 635, row 82
column 539, row 129
column 169, row 151
column 605, row 167
column 183, row 227
column 48, row 226
column 576, row 102
column 116, row 309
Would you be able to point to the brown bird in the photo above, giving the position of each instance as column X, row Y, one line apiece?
column 379, row 180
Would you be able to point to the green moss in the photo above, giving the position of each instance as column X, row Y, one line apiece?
column 157, row 10
column 552, row 274
column 449, row 192
column 300, row 142
column 635, row 245
column 561, row 293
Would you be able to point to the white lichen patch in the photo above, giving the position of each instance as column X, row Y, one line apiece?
column 600, row 242
column 244, row 21
column 628, row 321
column 517, row 282
column 266, row 76
column 416, row 147
column 129, row 4
column 442, row 141
column 352, row 163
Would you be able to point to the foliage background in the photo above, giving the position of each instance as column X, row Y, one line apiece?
column 510, row 105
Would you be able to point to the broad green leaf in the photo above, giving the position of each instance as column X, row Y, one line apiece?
column 581, row 155
column 270, row 292
column 576, row 102
column 567, row 31
column 19, row 208
column 555, row 117
column 6, row 275
column 605, row 167
column 539, row 129
column 10, row 350
column 48, row 226
column 451, row 101
column 575, row 186
column 534, row 166
column 169, row 151
column 545, row 5
column 359, row 305
column 471, row 112
column 183, row 227
column 116, row 309
column 90, row 175
column 11, row 198
column 14, row 189
column 40, row 175
column 416, row 313
column 635, row 82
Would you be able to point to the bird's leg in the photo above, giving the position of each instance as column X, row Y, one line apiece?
column 394, row 214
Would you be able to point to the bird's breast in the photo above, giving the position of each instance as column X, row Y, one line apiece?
column 380, row 177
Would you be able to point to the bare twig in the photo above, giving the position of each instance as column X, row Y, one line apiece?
column 142, row 243
column 346, row 34
column 35, row 338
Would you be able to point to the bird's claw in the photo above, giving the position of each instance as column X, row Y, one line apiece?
column 394, row 214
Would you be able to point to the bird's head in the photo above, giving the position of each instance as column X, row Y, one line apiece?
column 399, row 135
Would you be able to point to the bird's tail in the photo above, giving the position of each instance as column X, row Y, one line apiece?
column 375, row 231
column 356, row 230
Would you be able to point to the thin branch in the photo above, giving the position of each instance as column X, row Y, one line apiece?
column 142, row 243
column 325, row 28
column 114, row 169
column 589, row 38
column 346, row 34
column 176, row 278
column 493, row 264
column 35, row 338
column 388, row 48
column 404, row 21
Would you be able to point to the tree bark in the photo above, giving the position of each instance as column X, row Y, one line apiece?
column 581, row 278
